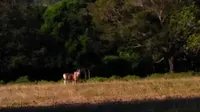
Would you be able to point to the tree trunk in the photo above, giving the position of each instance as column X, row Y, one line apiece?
column 85, row 73
column 88, row 73
column 171, row 64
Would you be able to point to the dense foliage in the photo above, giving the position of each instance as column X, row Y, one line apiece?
column 43, row 39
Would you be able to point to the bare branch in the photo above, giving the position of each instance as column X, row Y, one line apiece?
column 160, row 60
column 139, row 45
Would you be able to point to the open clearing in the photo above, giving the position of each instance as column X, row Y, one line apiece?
column 182, row 94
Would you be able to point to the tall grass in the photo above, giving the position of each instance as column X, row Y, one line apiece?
column 98, row 92
column 173, row 75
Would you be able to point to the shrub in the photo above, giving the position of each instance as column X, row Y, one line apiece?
column 114, row 77
column 97, row 79
column 44, row 81
column 172, row 75
column 130, row 77
column 2, row 82
column 23, row 79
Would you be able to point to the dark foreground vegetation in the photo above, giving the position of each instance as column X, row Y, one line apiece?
column 42, row 39
column 169, row 105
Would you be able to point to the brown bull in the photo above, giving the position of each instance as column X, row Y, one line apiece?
column 71, row 76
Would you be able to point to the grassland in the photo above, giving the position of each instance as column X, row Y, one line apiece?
column 143, row 95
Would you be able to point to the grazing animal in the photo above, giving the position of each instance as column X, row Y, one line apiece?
column 71, row 76
column 76, row 75
column 67, row 76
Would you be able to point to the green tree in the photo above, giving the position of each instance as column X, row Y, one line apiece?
column 19, row 37
column 153, row 28
column 70, row 23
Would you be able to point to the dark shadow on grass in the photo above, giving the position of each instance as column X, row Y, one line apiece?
column 169, row 105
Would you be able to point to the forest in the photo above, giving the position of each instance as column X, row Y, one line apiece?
column 43, row 39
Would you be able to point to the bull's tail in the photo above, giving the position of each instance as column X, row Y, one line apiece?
column 65, row 78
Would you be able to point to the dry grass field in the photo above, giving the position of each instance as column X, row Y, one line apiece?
column 147, row 95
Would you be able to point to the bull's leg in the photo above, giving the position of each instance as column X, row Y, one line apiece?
column 65, row 81
column 73, row 82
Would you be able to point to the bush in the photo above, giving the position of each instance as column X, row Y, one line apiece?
column 130, row 77
column 114, row 77
column 172, row 75
column 23, row 79
column 116, row 65
column 44, row 81
column 2, row 82
column 97, row 79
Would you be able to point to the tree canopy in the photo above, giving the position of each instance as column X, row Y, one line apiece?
column 108, row 37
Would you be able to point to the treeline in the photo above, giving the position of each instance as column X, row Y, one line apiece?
column 44, row 39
